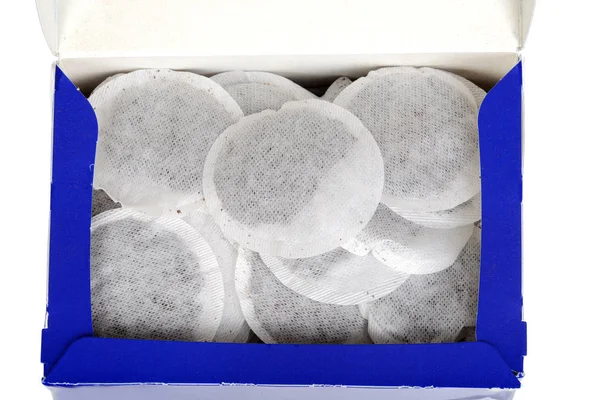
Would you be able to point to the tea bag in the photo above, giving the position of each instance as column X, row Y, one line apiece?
column 477, row 92
column 105, row 81
column 277, row 314
column 233, row 327
column 294, row 183
column 406, row 246
column 462, row 215
column 258, row 91
column 425, row 122
column 430, row 308
column 155, row 129
column 153, row 278
column 336, row 88
column 336, row 277
column 102, row 202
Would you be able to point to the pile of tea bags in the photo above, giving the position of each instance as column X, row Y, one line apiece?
column 245, row 203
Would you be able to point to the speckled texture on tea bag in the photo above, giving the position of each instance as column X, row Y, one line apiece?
column 279, row 315
column 430, row 308
column 337, row 277
column 294, row 183
column 155, row 129
column 104, row 82
column 153, row 278
column 406, row 246
column 233, row 327
column 336, row 88
column 425, row 122
column 477, row 92
column 257, row 91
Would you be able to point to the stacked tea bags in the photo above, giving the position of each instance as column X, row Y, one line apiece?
column 244, row 203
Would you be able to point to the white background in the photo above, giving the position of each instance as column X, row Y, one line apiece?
column 561, row 200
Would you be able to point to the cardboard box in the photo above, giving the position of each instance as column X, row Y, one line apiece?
column 311, row 42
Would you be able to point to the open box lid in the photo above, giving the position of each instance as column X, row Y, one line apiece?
column 95, row 39
column 134, row 28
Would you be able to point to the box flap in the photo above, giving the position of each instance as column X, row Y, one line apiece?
column 46, row 13
column 104, row 28
column 91, row 361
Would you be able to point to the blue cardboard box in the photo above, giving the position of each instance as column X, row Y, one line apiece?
column 314, row 43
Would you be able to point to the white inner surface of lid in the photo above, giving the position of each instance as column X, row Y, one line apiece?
column 91, row 28
column 485, row 69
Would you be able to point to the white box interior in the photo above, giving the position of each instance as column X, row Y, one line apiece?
column 484, row 69
column 311, row 42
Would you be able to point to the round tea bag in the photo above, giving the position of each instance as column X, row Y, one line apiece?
column 279, row 315
column 233, row 327
column 477, row 92
column 425, row 122
column 336, row 88
column 406, row 246
column 430, row 308
column 102, row 202
column 153, row 278
column 294, row 183
column 104, row 82
column 464, row 214
column 336, row 277
column 258, row 91
column 155, row 129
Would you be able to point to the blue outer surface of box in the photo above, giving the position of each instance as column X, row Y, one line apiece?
column 73, row 357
